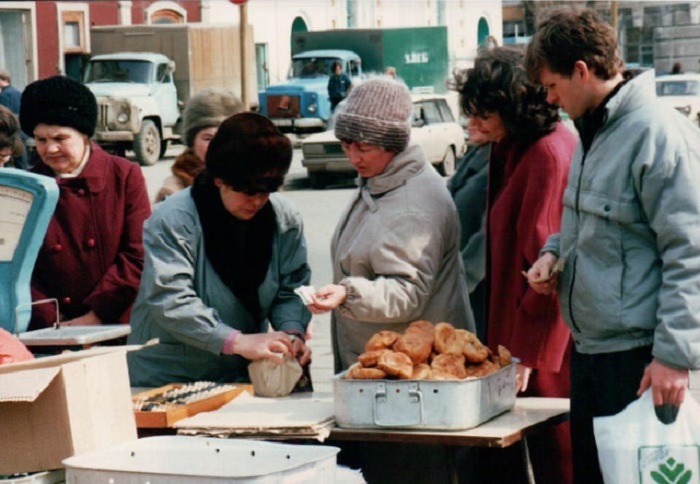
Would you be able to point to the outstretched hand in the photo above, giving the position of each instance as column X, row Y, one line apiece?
column 328, row 298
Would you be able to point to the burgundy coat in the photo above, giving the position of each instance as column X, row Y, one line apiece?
column 92, row 255
column 524, row 208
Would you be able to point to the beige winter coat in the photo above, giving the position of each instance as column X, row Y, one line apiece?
column 396, row 249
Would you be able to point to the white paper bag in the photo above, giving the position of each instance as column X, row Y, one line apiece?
column 635, row 447
column 272, row 380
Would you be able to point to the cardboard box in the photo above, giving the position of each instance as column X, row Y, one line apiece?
column 60, row 406
column 166, row 418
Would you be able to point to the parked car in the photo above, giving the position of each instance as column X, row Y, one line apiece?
column 681, row 91
column 433, row 127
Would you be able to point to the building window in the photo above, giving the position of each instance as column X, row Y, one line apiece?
column 73, row 32
column 640, row 46
column 165, row 12
column 166, row 17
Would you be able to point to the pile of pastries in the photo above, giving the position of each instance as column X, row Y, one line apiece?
column 427, row 352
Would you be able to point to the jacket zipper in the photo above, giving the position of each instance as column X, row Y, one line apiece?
column 573, row 271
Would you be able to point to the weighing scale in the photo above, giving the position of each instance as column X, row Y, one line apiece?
column 27, row 203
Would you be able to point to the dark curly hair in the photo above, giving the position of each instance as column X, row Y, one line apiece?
column 498, row 84
column 569, row 35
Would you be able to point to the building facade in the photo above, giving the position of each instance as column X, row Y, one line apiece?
column 656, row 34
column 43, row 38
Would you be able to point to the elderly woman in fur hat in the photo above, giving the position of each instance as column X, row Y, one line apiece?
column 223, row 258
column 203, row 114
column 92, row 256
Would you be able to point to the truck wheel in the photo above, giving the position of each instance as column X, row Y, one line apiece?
column 147, row 144
column 447, row 166
column 318, row 179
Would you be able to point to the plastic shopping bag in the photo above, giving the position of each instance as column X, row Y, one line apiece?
column 634, row 447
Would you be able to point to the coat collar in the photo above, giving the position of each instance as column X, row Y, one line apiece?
column 403, row 166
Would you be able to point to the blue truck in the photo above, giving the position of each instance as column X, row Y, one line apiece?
column 301, row 104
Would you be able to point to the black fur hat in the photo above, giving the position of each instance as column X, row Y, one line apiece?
column 58, row 101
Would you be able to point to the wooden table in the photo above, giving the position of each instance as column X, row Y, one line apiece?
column 528, row 417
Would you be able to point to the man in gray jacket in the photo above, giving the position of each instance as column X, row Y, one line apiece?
column 630, row 234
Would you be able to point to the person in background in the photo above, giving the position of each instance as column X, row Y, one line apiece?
column 391, row 72
column 11, row 146
column 468, row 189
column 528, row 167
column 203, row 114
column 339, row 84
column 677, row 68
column 223, row 258
column 10, row 97
column 395, row 254
column 629, row 239
column 92, row 255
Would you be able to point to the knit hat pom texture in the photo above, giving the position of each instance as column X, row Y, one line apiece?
column 377, row 112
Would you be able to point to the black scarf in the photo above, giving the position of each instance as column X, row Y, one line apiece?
column 239, row 250
column 589, row 124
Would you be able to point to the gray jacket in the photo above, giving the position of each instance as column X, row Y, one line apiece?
column 183, row 302
column 630, row 232
column 396, row 249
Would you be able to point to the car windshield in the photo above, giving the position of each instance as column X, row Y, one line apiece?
column 119, row 71
column 312, row 66
column 678, row 88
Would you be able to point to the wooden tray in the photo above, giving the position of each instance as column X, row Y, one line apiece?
column 166, row 419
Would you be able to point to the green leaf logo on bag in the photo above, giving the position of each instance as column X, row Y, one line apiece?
column 669, row 465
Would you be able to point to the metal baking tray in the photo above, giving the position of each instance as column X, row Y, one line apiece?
column 74, row 335
column 423, row 404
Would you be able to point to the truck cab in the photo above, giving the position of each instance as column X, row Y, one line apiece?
column 301, row 103
column 137, row 103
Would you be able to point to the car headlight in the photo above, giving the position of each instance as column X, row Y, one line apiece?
column 123, row 117
column 312, row 107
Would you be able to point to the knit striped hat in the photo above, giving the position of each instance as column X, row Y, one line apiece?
column 376, row 112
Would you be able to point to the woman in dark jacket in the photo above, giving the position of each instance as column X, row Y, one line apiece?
column 531, row 152
column 92, row 256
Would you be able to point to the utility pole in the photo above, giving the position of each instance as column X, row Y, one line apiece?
column 613, row 16
column 243, row 29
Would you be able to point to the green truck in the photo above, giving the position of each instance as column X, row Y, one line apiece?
column 419, row 55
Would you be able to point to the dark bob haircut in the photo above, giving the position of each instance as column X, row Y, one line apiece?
column 498, row 84
column 249, row 154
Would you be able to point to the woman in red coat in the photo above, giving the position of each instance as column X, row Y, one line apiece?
column 92, row 256
column 528, row 168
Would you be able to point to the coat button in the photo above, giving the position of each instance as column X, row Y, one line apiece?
column 57, row 248
column 66, row 300
column 81, row 192
column 607, row 208
column 91, row 242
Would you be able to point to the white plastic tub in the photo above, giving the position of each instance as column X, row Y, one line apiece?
column 182, row 459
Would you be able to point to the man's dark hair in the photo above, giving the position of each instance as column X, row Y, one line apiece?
column 567, row 36
column 498, row 84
